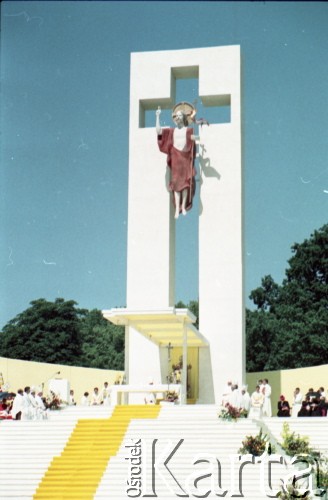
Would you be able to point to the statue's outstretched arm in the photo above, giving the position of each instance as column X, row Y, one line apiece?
column 158, row 125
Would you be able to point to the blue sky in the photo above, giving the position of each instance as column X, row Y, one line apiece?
column 64, row 123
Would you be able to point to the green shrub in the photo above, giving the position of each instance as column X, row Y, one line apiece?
column 291, row 492
column 323, row 472
column 293, row 444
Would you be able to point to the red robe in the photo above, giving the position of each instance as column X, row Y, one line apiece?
column 181, row 164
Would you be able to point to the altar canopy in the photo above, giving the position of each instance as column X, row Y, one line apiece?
column 161, row 326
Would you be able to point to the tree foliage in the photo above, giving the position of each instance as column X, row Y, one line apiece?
column 103, row 342
column 46, row 331
column 193, row 306
column 59, row 332
column 289, row 329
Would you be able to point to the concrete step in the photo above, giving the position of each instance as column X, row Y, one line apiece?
column 31, row 446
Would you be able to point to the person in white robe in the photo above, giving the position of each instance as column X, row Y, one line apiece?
column 18, row 405
column 257, row 400
column 34, row 404
column 71, row 400
column 27, row 413
column 245, row 399
column 235, row 397
column 96, row 397
column 297, row 403
column 150, row 397
column 266, row 389
column 226, row 392
column 42, row 412
column 85, row 399
column 260, row 383
column 105, row 394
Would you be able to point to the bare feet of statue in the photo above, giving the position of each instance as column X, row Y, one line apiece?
column 176, row 215
column 184, row 211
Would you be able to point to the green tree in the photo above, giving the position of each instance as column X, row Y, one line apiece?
column 292, row 317
column 193, row 306
column 261, row 330
column 46, row 331
column 266, row 295
column 103, row 342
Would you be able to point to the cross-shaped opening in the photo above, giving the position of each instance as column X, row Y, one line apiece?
column 215, row 109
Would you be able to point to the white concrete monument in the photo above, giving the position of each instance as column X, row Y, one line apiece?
column 151, row 225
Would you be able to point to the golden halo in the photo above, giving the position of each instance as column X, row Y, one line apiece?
column 187, row 109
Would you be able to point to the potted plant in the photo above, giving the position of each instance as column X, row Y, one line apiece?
column 231, row 413
column 171, row 397
column 256, row 445
column 293, row 444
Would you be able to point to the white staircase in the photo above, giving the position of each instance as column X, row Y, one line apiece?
column 27, row 448
column 204, row 436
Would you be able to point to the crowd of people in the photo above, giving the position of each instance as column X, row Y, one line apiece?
column 313, row 404
column 258, row 404
column 27, row 404
column 30, row 403
column 97, row 397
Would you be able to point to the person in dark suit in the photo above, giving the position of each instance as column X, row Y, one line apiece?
column 283, row 407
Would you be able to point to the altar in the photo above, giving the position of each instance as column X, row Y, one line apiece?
column 118, row 390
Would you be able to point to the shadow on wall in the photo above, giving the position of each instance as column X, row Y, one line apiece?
column 205, row 169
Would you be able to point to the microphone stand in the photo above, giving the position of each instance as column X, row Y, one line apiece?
column 43, row 383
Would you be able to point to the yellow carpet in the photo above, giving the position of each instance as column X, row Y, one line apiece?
column 77, row 472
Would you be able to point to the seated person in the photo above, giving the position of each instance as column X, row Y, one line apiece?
column 324, row 406
column 305, row 410
column 5, row 409
column 96, row 397
column 316, row 408
column 283, row 407
column 312, row 394
column 85, row 399
column 150, row 397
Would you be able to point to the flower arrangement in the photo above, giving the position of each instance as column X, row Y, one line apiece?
column 54, row 402
column 256, row 445
column 175, row 376
column 171, row 396
column 229, row 412
column 293, row 444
